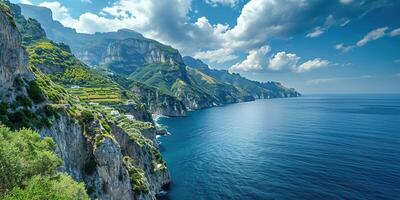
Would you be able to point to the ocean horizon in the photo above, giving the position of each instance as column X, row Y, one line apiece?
column 319, row 146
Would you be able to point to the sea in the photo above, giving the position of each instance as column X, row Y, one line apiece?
column 310, row 147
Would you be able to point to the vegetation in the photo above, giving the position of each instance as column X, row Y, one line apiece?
column 138, row 179
column 7, row 11
column 103, row 95
column 28, row 168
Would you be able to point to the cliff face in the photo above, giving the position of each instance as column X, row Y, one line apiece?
column 158, row 102
column 96, row 148
column 13, row 58
column 126, row 56
column 249, row 89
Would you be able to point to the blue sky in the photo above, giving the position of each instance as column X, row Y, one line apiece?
column 316, row 46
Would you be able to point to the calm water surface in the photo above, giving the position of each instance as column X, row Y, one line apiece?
column 313, row 147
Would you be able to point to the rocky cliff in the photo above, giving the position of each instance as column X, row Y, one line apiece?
column 116, row 156
column 13, row 58
column 129, row 54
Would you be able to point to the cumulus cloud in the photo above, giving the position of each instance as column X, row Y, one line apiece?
column 373, row 35
column 255, row 60
column 171, row 25
column 28, row 2
column 312, row 64
column 231, row 3
column 283, row 61
column 60, row 13
column 216, row 56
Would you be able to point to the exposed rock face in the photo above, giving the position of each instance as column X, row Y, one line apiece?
column 159, row 103
column 90, row 153
column 100, row 163
column 142, row 155
column 13, row 58
column 125, row 56
column 113, row 179
column 71, row 145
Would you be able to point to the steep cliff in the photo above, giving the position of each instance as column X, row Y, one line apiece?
column 129, row 54
column 13, row 58
column 87, row 137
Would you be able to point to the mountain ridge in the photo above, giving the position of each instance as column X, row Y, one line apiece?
column 162, row 67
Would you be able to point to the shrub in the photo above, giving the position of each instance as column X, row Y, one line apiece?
column 61, row 187
column 35, row 92
column 23, row 101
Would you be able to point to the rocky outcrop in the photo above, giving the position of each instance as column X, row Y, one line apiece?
column 13, row 58
column 144, row 158
column 159, row 103
column 96, row 158
column 125, row 56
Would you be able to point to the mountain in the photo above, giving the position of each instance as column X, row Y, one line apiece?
column 159, row 67
column 111, row 149
column 248, row 88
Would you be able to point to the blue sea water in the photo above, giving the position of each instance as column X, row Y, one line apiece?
column 312, row 147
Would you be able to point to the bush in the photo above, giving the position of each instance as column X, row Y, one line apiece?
column 28, row 168
column 61, row 187
column 3, row 108
column 24, row 154
column 35, row 92
column 24, row 101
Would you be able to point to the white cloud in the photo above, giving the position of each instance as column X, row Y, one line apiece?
column 86, row 1
column 231, row 3
column 171, row 24
column 283, row 61
column 28, row 2
column 345, row 1
column 319, row 30
column 216, row 56
column 395, row 32
column 334, row 79
column 316, row 32
column 343, row 48
column 60, row 13
column 373, row 35
column 312, row 64
column 255, row 61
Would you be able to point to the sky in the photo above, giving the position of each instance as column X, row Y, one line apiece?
column 315, row 46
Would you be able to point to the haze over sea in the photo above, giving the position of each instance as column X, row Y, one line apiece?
column 313, row 147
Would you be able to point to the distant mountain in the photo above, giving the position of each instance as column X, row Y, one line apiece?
column 161, row 67
column 248, row 88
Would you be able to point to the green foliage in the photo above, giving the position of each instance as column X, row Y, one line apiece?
column 28, row 168
column 61, row 187
column 7, row 11
column 23, row 101
column 23, row 154
column 103, row 95
column 35, row 92
column 3, row 108
column 138, row 179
